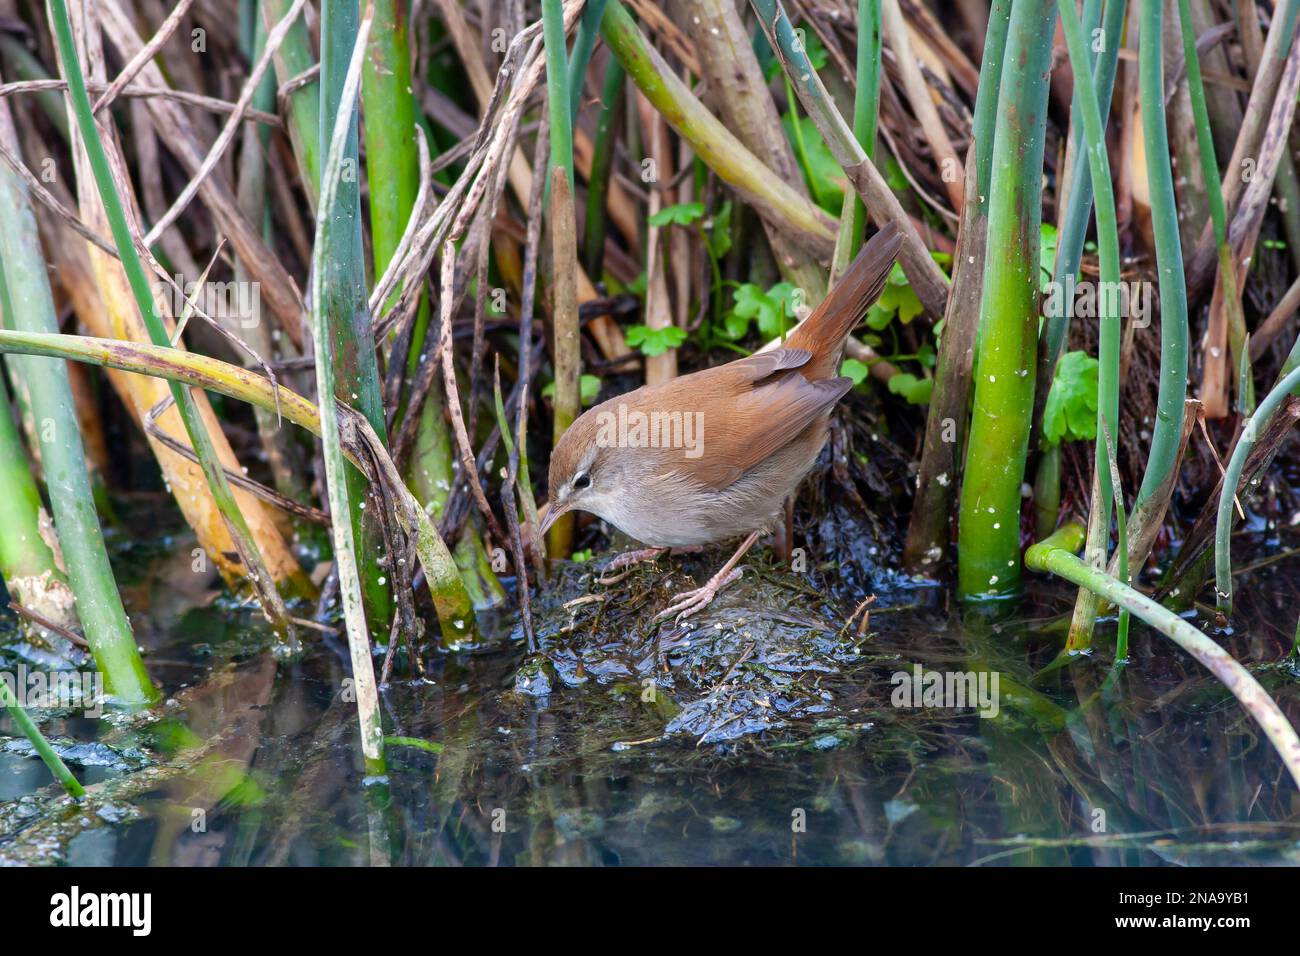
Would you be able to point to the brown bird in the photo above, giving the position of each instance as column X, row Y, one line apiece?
column 713, row 455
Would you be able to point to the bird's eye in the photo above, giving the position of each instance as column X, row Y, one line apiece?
column 582, row 481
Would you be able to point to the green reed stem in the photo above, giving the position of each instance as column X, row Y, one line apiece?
column 989, row 521
column 333, row 263
column 1074, row 226
column 557, row 88
column 1166, row 433
column 302, row 122
column 584, row 42
column 602, row 165
column 42, row 746
column 25, row 559
column 1250, row 433
column 28, row 305
column 929, row 530
column 866, row 114
column 1109, row 333
column 343, row 287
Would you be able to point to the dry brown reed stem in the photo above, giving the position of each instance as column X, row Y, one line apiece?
column 1222, row 340
column 658, row 313
column 567, row 346
column 273, row 40
column 279, row 292
column 739, row 92
column 928, row 280
column 1277, row 320
column 1202, row 263
column 146, row 53
column 446, row 356
column 923, row 106
column 119, row 318
column 929, row 528
column 140, row 92
column 606, row 332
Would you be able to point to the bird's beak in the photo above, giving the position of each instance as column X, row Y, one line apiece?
column 550, row 515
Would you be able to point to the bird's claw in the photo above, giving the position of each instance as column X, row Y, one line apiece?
column 691, row 602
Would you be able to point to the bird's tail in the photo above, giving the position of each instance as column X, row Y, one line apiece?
column 823, row 333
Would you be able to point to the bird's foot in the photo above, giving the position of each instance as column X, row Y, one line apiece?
column 691, row 602
column 625, row 560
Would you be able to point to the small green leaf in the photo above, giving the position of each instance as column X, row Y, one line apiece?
column 682, row 214
column 854, row 369
column 1070, row 413
column 654, row 342
column 1046, row 254
column 897, row 299
column 588, row 389
column 915, row 390
column 720, row 232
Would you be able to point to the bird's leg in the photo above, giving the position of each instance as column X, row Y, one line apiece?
column 689, row 602
column 626, row 559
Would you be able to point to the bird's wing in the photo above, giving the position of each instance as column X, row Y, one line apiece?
column 760, row 365
column 759, row 420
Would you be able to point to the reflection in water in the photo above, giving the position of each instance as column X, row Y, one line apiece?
column 759, row 739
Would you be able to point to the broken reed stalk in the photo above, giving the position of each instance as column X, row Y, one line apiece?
column 567, row 343
column 258, row 575
column 344, row 307
column 927, row 279
column 28, row 305
column 332, row 264
column 1223, row 527
column 1056, row 556
column 1107, row 495
column 988, row 551
column 929, row 529
column 775, row 200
